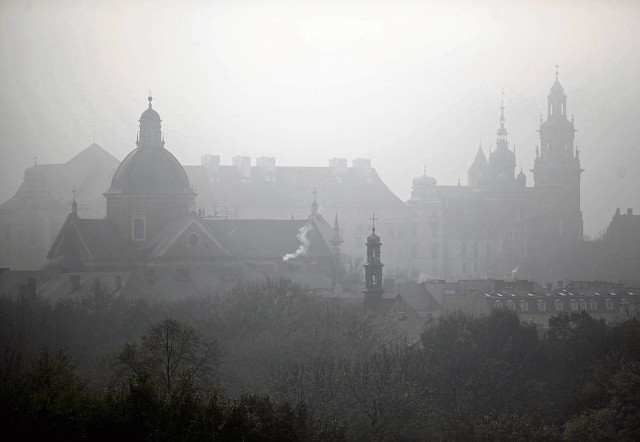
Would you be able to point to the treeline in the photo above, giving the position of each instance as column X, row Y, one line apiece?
column 272, row 362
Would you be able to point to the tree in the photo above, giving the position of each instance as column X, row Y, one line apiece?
column 170, row 350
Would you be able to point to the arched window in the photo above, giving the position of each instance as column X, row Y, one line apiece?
column 524, row 306
column 559, row 305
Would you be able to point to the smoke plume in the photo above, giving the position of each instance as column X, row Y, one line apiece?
column 304, row 243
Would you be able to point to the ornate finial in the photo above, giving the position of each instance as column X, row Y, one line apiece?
column 459, row 182
column 35, row 160
column 74, row 191
column 373, row 222
column 150, row 98
column 315, row 192
column 540, row 119
column 424, row 170
column 502, row 108
column 556, row 72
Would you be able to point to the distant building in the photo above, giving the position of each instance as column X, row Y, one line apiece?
column 265, row 190
column 535, row 304
column 30, row 220
column 496, row 226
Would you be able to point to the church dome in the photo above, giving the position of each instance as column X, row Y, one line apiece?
column 150, row 172
column 373, row 238
column 424, row 181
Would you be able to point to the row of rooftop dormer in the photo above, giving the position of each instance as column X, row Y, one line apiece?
column 267, row 165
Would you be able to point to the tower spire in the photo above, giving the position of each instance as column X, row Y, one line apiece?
column 501, row 139
column 502, row 109
column 74, row 204
column 556, row 71
column 314, row 205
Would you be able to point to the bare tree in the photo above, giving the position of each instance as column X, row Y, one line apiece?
column 170, row 350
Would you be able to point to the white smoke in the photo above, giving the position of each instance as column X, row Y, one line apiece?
column 304, row 243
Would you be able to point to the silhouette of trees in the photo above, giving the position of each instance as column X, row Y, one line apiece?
column 170, row 350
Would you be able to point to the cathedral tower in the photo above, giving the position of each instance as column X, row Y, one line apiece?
column 556, row 169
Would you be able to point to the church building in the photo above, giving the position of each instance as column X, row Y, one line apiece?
column 152, row 230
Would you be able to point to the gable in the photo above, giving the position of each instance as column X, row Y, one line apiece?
column 191, row 239
column 70, row 242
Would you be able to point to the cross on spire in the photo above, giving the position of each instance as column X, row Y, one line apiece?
column 502, row 107
column 150, row 98
column 556, row 72
column 373, row 222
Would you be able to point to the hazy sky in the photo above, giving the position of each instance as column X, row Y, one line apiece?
column 405, row 83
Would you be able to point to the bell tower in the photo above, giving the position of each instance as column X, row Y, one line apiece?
column 556, row 169
column 373, row 268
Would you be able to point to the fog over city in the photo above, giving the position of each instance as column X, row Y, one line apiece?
column 320, row 220
column 406, row 84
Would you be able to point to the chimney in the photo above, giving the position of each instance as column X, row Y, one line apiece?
column 267, row 166
column 243, row 166
column 629, row 211
column 211, row 163
column 74, row 280
column 363, row 167
column 618, row 211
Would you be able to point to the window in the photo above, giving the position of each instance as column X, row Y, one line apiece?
column 609, row 304
column 524, row 306
column 542, row 306
column 583, row 304
column 594, row 304
column 573, row 304
column 499, row 304
column 514, row 235
column 138, row 229
column 559, row 305
column 511, row 305
column 193, row 240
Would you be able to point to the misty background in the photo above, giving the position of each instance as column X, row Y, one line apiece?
column 406, row 84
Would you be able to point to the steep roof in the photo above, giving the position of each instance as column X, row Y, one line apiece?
column 270, row 238
column 480, row 162
column 291, row 187
column 50, row 185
